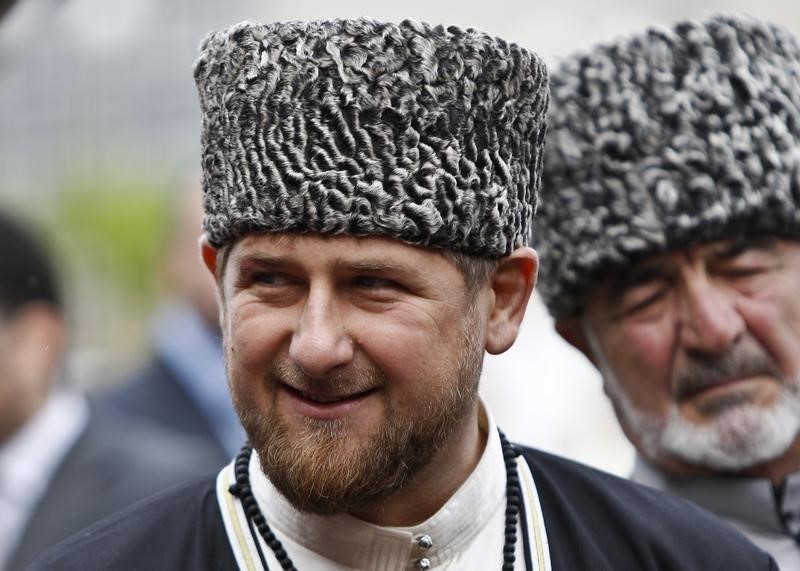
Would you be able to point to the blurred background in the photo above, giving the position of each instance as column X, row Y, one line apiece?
column 99, row 130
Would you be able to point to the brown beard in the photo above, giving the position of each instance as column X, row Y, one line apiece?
column 319, row 470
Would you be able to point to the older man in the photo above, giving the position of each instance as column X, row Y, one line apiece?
column 670, row 257
column 369, row 191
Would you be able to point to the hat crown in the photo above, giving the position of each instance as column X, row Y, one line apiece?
column 674, row 136
column 428, row 134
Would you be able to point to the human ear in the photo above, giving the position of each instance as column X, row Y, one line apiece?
column 209, row 255
column 512, row 285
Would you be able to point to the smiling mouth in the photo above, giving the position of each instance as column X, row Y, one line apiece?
column 324, row 400
column 328, row 399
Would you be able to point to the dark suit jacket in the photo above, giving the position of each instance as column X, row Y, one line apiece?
column 154, row 393
column 116, row 461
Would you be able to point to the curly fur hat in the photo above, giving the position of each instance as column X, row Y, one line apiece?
column 431, row 135
column 671, row 137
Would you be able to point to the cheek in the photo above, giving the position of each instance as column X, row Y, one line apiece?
column 397, row 349
column 774, row 320
column 641, row 358
column 411, row 353
column 253, row 338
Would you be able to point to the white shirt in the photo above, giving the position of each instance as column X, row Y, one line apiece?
column 467, row 533
column 30, row 458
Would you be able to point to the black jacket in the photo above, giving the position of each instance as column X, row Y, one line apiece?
column 116, row 461
column 594, row 522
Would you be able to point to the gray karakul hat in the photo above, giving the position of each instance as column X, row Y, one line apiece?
column 675, row 136
column 430, row 135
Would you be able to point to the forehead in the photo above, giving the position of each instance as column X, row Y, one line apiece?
column 324, row 251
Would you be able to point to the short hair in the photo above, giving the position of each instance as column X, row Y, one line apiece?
column 26, row 272
column 477, row 270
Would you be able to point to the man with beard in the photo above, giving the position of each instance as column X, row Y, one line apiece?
column 369, row 190
column 668, row 234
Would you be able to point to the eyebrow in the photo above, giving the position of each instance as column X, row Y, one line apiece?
column 733, row 248
column 638, row 275
column 650, row 271
column 246, row 260
column 368, row 265
column 374, row 266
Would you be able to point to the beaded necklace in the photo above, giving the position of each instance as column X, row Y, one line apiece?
column 242, row 490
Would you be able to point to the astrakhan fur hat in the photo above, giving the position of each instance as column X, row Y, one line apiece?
column 431, row 135
column 675, row 136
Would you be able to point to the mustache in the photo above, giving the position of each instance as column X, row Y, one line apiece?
column 703, row 372
column 352, row 381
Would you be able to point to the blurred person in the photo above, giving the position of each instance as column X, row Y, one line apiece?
column 369, row 191
column 182, row 386
column 5, row 6
column 669, row 235
column 64, row 463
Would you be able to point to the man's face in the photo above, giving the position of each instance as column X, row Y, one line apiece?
column 31, row 345
column 700, row 352
column 351, row 361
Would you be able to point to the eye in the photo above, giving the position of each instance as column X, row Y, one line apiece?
column 642, row 298
column 270, row 279
column 749, row 263
column 742, row 272
column 375, row 283
column 267, row 278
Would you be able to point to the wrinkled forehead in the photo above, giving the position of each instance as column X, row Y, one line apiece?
column 319, row 250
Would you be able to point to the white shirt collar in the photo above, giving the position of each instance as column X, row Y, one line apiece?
column 356, row 543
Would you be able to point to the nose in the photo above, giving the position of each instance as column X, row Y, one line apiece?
column 710, row 321
column 320, row 342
